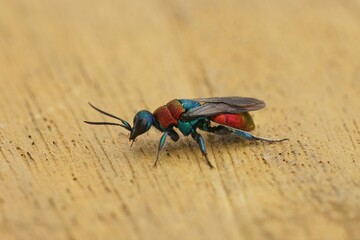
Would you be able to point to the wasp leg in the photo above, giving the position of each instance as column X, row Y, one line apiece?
column 161, row 145
column 252, row 137
column 222, row 130
column 219, row 130
column 173, row 135
column 199, row 139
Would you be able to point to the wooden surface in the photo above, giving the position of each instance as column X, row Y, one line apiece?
column 62, row 179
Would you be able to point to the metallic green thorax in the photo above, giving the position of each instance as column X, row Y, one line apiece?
column 186, row 128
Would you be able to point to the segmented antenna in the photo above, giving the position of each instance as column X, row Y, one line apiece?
column 125, row 124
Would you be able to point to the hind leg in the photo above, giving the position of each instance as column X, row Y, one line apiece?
column 223, row 130
column 249, row 136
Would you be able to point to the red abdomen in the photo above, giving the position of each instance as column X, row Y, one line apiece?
column 169, row 114
column 242, row 121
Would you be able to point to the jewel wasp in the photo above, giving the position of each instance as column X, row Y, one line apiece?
column 190, row 115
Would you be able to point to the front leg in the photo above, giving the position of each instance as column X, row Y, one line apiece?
column 200, row 141
column 173, row 135
column 161, row 145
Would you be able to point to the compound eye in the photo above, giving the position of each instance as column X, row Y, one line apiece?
column 141, row 125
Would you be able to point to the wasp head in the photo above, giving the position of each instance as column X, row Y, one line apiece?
column 142, row 123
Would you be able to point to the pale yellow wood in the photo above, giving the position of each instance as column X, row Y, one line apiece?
column 62, row 179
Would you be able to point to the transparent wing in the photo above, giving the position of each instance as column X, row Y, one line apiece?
column 217, row 105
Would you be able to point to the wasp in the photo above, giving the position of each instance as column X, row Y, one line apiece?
column 231, row 115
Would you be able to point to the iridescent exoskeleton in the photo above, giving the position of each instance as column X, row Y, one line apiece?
column 190, row 115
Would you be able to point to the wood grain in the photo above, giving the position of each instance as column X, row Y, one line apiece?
column 62, row 179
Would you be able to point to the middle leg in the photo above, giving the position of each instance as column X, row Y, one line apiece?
column 200, row 141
